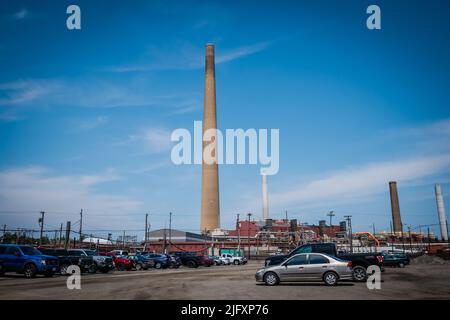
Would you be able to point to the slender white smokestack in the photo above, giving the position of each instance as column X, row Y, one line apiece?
column 441, row 212
column 265, row 198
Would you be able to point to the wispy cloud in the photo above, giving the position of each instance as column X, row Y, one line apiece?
column 93, row 123
column 186, row 56
column 27, row 91
column 22, row 14
column 362, row 181
column 35, row 188
column 154, row 140
column 87, row 93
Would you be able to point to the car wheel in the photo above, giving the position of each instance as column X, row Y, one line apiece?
column 92, row 269
column 63, row 269
column 401, row 265
column 191, row 264
column 120, row 267
column 2, row 272
column 104, row 270
column 271, row 279
column 158, row 265
column 138, row 267
column 236, row 262
column 29, row 271
column 330, row 278
column 359, row 274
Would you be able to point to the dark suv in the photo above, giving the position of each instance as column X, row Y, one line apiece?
column 66, row 259
column 26, row 260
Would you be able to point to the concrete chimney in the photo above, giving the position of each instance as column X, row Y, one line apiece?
column 265, row 198
column 441, row 212
column 395, row 207
column 210, row 214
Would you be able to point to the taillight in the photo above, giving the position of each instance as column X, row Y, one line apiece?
column 349, row 264
column 380, row 259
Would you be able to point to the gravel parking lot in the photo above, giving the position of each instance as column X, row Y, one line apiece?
column 226, row 282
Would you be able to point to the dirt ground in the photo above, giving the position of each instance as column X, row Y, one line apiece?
column 226, row 282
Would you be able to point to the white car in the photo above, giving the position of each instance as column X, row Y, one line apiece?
column 234, row 259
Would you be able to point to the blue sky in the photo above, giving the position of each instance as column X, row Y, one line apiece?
column 86, row 115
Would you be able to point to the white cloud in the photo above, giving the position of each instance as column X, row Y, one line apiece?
column 34, row 188
column 93, row 123
column 186, row 56
column 22, row 14
column 19, row 96
column 363, row 181
column 155, row 140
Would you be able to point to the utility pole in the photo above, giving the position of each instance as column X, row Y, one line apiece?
column 349, row 223
column 123, row 240
column 238, row 228
column 81, row 224
column 410, row 239
column 56, row 237
column 41, row 222
column 60, row 234
column 248, row 234
column 392, row 238
column 67, row 239
column 331, row 215
column 170, row 231
column 403, row 241
column 429, row 240
column 373, row 228
column 4, row 233
column 146, row 228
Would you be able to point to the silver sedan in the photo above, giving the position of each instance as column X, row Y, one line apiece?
column 307, row 267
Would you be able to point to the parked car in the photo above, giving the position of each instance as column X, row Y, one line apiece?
column 206, row 261
column 102, row 263
column 141, row 263
column 218, row 261
column 161, row 260
column 120, row 262
column 234, row 259
column 26, row 260
column 65, row 259
column 189, row 259
column 307, row 267
column 175, row 262
column 120, row 252
column 360, row 261
column 395, row 259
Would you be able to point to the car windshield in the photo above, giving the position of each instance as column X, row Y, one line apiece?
column 30, row 251
column 90, row 253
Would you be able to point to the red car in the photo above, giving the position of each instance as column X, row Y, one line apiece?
column 120, row 262
column 206, row 261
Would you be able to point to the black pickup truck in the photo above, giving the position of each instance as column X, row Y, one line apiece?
column 86, row 264
column 189, row 259
column 360, row 261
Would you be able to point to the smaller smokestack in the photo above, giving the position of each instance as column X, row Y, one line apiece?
column 441, row 212
column 395, row 207
column 265, row 198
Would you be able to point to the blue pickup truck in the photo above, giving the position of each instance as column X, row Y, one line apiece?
column 26, row 260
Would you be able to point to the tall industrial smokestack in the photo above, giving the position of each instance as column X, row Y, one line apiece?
column 210, row 215
column 395, row 207
column 265, row 198
column 441, row 212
